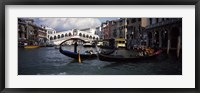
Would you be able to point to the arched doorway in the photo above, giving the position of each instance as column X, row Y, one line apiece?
column 174, row 36
column 70, row 34
column 55, row 37
column 58, row 36
column 83, row 35
column 87, row 36
column 62, row 36
column 90, row 37
column 164, row 38
column 80, row 34
column 150, row 39
column 51, row 38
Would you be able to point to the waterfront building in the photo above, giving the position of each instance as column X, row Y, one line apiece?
column 122, row 28
column 118, row 28
column 30, row 34
column 136, row 35
column 113, row 28
column 50, row 31
column 118, row 31
column 99, row 32
column 103, row 25
column 165, row 33
column 106, row 29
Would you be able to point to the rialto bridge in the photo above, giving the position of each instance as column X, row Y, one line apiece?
column 59, row 37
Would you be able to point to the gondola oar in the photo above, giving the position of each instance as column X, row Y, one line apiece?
column 79, row 57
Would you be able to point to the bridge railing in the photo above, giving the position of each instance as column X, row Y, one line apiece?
column 65, row 38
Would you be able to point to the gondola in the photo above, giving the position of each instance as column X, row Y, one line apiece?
column 74, row 54
column 107, row 52
column 83, row 56
column 120, row 58
column 106, row 47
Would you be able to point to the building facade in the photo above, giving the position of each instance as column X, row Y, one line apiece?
column 31, row 34
column 118, row 28
column 106, row 29
column 136, row 35
column 50, row 32
column 99, row 32
column 165, row 33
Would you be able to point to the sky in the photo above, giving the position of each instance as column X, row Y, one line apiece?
column 63, row 24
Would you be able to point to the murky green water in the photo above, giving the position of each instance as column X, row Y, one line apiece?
column 49, row 61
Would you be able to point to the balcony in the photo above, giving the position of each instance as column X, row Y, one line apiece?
column 42, row 36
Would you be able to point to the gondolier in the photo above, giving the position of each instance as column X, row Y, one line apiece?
column 75, row 54
column 75, row 47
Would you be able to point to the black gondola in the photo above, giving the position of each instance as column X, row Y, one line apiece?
column 107, row 52
column 75, row 54
column 119, row 58
column 83, row 56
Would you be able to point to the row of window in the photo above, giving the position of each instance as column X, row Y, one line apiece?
column 157, row 20
column 133, row 20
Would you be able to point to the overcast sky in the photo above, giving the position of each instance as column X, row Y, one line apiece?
column 63, row 24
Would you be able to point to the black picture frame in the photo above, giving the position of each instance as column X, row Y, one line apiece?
column 98, row 2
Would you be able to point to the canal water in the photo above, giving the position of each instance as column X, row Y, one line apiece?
column 49, row 61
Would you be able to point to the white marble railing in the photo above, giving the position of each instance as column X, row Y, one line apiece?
column 65, row 38
column 60, row 40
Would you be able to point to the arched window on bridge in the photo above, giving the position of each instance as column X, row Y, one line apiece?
column 58, row 36
column 83, row 35
column 51, row 38
column 66, row 35
column 87, row 36
column 93, row 37
column 55, row 37
column 62, row 36
column 80, row 34
column 97, row 38
column 90, row 37
column 70, row 34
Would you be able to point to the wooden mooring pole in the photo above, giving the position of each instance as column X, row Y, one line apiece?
column 168, row 46
column 79, row 57
column 178, row 46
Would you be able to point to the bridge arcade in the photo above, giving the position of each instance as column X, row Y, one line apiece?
column 58, row 37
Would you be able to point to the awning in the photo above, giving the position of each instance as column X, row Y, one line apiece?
column 119, row 39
